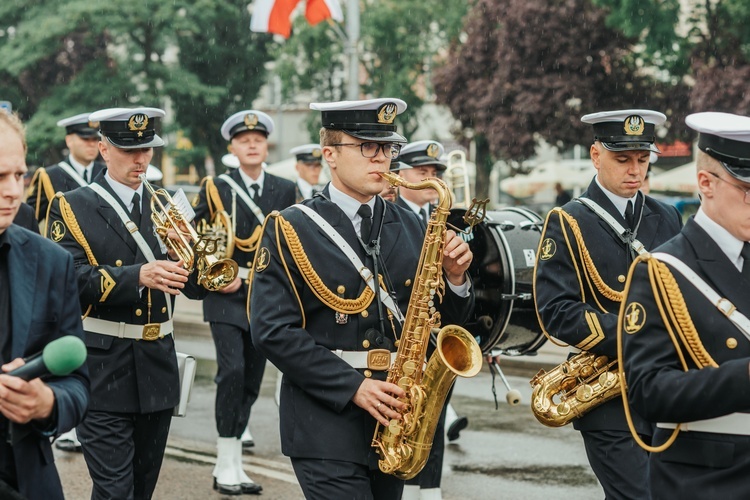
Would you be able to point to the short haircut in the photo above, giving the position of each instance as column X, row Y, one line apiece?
column 330, row 136
column 13, row 122
column 706, row 162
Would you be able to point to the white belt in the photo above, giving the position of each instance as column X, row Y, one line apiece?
column 243, row 272
column 734, row 423
column 374, row 359
column 150, row 331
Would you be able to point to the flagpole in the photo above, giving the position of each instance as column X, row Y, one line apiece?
column 352, row 35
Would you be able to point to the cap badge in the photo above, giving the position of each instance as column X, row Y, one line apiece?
column 316, row 153
column 251, row 120
column 433, row 150
column 138, row 122
column 635, row 317
column 387, row 113
column 93, row 124
column 634, row 125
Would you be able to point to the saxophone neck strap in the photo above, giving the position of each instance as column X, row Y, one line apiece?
column 255, row 209
column 625, row 235
column 728, row 309
column 132, row 228
column 365, row 273
column 72, row 173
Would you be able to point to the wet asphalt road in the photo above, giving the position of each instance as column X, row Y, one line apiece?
column 503, row 454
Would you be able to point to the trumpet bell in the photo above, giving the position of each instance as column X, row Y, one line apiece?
column 217, row 274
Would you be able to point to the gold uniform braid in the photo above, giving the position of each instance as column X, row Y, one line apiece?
column 324, row 294
column 215, row 204
column 75, row 230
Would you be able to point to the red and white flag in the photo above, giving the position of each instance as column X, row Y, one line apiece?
column 274, row 16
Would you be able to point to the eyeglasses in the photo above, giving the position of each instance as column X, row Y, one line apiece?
column 746, row 192
column 371, row 149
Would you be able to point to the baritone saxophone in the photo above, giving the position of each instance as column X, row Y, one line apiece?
column 404, row 445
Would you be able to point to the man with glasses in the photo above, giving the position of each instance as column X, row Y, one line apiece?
column 685, row 328
column 331, row 336
column 585, row 251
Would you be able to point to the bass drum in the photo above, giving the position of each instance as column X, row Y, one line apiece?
column 504, row 247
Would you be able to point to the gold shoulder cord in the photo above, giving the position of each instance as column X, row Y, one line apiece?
column 674, row 312
column 249, row 244
column 251, row 274
column 43, row 184
column 75, row 230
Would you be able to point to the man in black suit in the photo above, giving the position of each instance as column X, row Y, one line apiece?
column 127, row 286
column 332, row 337
column 580, row 275
column 309, row 165
column 248, row 194
column 78, row 169
column 37, row 279
column 686, row 355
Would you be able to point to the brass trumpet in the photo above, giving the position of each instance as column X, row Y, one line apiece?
column 213, row 274
column 456, row 176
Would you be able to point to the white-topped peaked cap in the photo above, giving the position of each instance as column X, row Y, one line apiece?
column 248, row 119
column 80, row 125
column 369, row 119
column 309, row 153
column 129, row 128
column 230, row 161
column 153, row 174
column 726, row 137
column 626, row 129
column 421, row 153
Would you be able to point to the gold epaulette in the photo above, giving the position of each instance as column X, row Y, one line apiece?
column 250, row 243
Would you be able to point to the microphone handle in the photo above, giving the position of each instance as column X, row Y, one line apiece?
column 33, row 368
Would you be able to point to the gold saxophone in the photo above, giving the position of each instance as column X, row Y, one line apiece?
column 573, row 388
column 404, row 445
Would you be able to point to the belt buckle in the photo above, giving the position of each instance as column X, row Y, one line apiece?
column 151, row 331
column 378, row 359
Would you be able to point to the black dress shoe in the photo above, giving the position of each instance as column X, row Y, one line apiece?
column 67, row 445
column 456, row 427
column 228, row 489
column 248, row 444
column 251, row 488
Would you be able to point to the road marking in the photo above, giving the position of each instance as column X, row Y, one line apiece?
column 259, row 466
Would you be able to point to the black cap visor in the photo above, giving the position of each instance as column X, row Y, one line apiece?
column 147, row 141
column 376, row 135
column 630, row 146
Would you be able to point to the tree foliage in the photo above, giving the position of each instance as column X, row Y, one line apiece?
column 61, row 58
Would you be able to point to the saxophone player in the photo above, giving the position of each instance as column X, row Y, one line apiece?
column 325, row 329
column 580, row 275
column 693, row 370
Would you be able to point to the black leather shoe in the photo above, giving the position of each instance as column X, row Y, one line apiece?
column 67, row 445
column 228, row 489
column 248, row 444
column 456, row 427
column 251, row 488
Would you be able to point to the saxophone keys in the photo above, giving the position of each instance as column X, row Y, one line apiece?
column 607, row 379
column 585, row 393
column 409, row 367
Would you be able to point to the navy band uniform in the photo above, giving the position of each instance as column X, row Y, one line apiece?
column 693, row 367
column 134, row 382
column 580, row 274
column 314, row 316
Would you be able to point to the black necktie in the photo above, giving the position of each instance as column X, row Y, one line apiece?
column 364, row 229
column 629, row 214
column 423, row 215
column 256, row 193
column 86, row 176
column 135, row 213
column 746, row 260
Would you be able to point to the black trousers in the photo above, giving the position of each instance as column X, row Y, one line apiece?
column 620, row 465
column 328, row 479
column 124, row 452
column 238, row 378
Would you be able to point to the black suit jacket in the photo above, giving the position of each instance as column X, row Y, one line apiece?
column 126, row 375
column 277, row 194
column 61, row 182
column 698, row 465
column 25, row 218
column 569, row 304
column 43, row 278
column 318, row 419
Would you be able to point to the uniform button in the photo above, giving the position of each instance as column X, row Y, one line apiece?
column 341, row 289
column 365, row 314
column 407, row 283
column 249, row 264
column 621, row 278
column 163, row 309
column 118, row 263
column 368, row 373
column 731, row 342
column 365, row 344
column 138, row 312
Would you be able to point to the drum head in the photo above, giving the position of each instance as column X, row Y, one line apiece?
column 504, row 248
